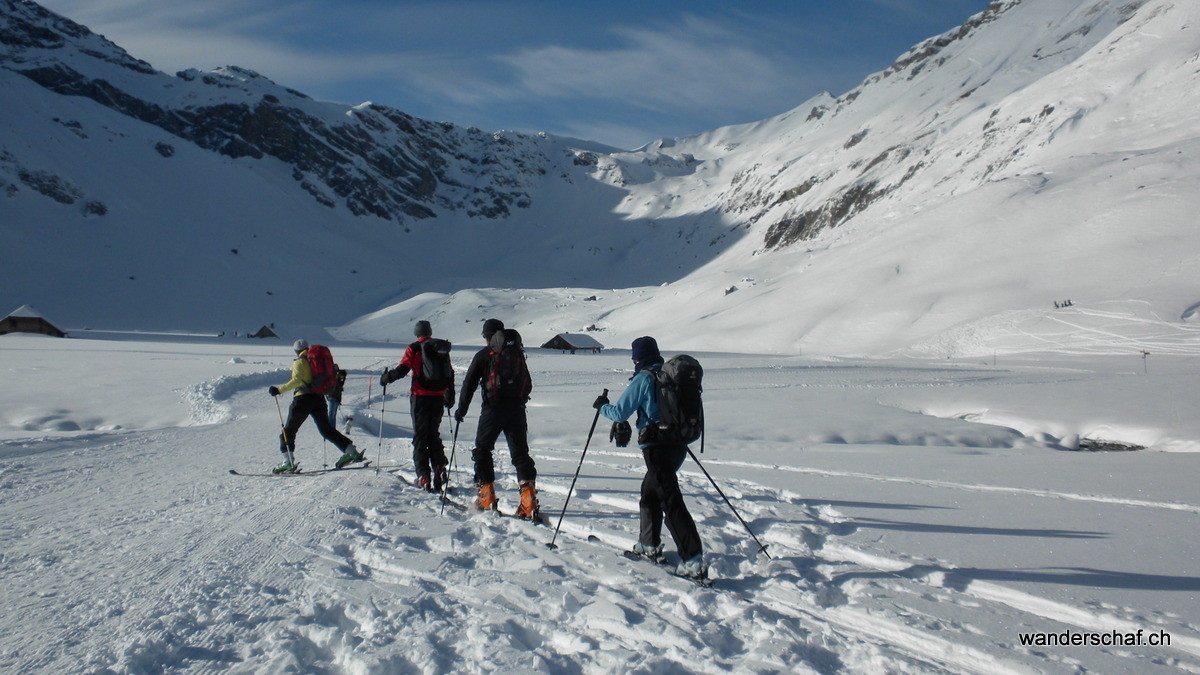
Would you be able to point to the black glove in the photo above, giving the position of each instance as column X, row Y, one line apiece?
column 621, row 432
column 273, row 390
column 386, row 378
column 459, row 415
column 601, row 400
column 449, row 397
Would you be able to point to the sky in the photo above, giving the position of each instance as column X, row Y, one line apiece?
column 622, row 73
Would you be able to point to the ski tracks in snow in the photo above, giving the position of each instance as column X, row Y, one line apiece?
column 924, row 610
column 357, row 571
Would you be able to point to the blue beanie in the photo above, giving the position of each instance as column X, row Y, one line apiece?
column 645, row 352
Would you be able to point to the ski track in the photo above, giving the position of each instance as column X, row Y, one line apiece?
column 825, row 552
column 288, row 579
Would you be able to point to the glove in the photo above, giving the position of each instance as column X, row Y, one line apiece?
column 621, row 433
column 449, row 397
column 459, row 415
column 273, row 390
column 386, row 378
column 601, row 400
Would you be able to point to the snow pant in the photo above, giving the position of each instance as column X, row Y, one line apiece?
column 334, row 404
column 303, row 407
column 507, row 417
column 428, row 451
column 661, row 496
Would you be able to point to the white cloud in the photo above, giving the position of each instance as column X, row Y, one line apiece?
column 697, row 64
column 175, row 35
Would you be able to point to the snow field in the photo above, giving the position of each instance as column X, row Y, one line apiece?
column 901, row 542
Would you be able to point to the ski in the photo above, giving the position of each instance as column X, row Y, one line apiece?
column 235, row 472
column 666, row 567
column 540, row 520
column 301, row 472
column 446, row 498
column 470, row 508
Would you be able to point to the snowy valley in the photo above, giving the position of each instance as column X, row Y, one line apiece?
column 949, row 322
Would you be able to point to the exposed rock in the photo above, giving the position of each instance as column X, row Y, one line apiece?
column 50, row 185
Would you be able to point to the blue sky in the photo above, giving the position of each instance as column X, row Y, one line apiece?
column 623, row 73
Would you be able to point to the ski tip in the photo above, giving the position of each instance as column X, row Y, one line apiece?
column 593, row 538
column 233, row 471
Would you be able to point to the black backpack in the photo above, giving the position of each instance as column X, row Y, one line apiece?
column 508, row 376
column 680, row 406
column 437, row 374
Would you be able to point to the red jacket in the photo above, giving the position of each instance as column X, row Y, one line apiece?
column 412, row 361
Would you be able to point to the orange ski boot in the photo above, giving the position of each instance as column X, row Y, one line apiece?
column 486, row 501
column 528, row 510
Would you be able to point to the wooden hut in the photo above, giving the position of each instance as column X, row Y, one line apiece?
column 265, row 332
column 573, row 342
column 26, row 319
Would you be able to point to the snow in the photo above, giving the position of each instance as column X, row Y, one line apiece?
column 25, row 311
column 1047, row 153
column 920, row 514
column 901, row 405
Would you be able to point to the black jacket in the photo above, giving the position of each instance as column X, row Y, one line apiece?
column 477, row 373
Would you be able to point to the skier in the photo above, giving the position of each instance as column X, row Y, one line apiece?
column 660, row 486
column 425, row 404
column 500, row 411
column 306, row 404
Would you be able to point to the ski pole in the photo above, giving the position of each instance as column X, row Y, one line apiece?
column 282, row 427
column 571, row 489
column 453, row 447
column 761, row 546
column 382, row 406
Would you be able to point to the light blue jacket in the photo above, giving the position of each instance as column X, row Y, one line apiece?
column 640, row 396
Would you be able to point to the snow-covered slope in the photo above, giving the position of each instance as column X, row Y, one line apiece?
column 905, row 535
column 1044, row 151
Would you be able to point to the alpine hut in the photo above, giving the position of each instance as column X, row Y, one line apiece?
column 572, row 342
column 26, row 319
column 265, row 332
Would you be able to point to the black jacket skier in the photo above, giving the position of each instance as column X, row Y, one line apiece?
column 498, row 416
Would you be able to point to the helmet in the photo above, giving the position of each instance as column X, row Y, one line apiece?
column 300, row 345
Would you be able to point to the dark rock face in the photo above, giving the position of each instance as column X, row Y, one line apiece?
column 50, row 185
column 831, row 213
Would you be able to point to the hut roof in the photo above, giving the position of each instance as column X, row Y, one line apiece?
column 25, row 312
column 578, row 341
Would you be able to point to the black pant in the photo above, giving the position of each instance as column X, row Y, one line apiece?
column 303, row 407
column 507, row 417
column 428, row 451
column 661, row 495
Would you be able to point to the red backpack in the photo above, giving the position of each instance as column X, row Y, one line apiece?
column 508, row 375
column 324, row 370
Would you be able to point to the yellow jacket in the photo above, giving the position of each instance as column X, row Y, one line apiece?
column 302, row 375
